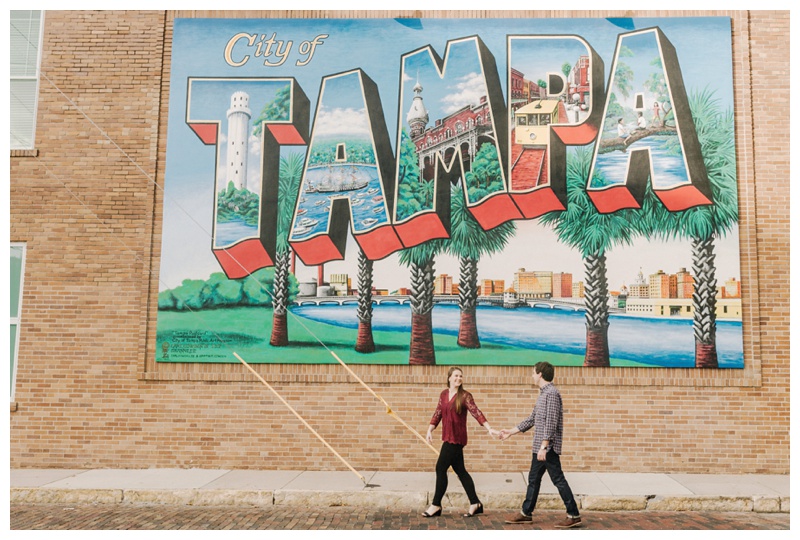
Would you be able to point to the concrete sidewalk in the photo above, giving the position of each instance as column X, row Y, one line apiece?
column 402, row 490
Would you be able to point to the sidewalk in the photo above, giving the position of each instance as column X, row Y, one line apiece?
column 401, row 490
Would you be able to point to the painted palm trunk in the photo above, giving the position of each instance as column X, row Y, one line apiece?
column 364, row 341
column 467, row 302
column 704, row 303
column 596, row 298
column 421, row 350
column 280, row 298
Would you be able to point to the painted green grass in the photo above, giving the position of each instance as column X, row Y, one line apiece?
column 206, row 336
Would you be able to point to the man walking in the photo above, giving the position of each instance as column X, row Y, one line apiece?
column 547, row 418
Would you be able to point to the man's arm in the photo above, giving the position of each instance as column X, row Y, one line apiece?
column 522, row 427
column 506, row 433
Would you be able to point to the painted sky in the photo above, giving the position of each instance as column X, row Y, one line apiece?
column 377, row 47
column 341, row 109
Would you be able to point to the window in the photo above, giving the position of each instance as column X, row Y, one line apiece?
column 26, row 38
column 15, row 300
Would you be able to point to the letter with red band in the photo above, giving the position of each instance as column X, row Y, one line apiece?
column 647, row 135
column 566, row 111
column 451, row 112
column 347, row 176
column 245, row 205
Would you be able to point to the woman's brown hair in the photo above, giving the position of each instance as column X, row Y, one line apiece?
column 460, row 392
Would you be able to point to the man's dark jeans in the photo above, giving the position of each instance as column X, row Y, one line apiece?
column 551, row 464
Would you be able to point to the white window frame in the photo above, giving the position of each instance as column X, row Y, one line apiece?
column 15, row 321
column 35, row 78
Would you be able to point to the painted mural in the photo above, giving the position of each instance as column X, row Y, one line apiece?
column 451, row 191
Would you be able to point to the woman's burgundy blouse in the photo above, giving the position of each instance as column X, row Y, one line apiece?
column 454, row 425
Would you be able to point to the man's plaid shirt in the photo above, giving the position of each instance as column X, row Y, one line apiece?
column 547, row 416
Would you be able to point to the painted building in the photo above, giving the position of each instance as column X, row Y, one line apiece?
column 341, row 284
column 465, row 129
column 562, row 285
column 533, row 284
column 684, row 283
column 578, row 80
column 443, row 284
column 578, row 290
column 489, row 287
column 660, row 285
column 680, row 307
column 639, row 288
column 732, row 288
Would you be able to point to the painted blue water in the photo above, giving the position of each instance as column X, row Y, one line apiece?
column 669, row 170
column 664, row 342
column 315, row 207
column 233, row 231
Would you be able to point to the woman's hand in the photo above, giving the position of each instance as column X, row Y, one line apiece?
column 429, row 436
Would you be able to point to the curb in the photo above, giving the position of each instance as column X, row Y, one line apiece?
column 402, row 500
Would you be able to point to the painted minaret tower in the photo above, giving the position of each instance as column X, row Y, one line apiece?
column 238, row 135
column 417, row 116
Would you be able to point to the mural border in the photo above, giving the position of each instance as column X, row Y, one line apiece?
column 750, row 376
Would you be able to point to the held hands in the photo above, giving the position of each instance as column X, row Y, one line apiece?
column 505, row 434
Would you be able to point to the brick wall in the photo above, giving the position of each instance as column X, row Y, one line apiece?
column 89, row 394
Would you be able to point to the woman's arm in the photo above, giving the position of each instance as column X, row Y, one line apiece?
column 478, row 415
column 435, row 419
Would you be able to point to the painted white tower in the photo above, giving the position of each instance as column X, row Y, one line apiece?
column 417, row 116
column 238, row 134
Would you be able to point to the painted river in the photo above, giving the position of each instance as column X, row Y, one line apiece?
column 664, row 342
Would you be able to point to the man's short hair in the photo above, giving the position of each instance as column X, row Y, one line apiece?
column 546, row 370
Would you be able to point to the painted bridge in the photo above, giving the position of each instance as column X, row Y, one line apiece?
column 572, row 304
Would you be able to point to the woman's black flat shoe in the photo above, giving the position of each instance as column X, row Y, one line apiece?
column 478, row 510
column 437, row 513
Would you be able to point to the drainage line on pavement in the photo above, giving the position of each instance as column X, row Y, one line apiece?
column 260, row 378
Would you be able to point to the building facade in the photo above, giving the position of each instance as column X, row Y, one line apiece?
column 533, row 284
column 86, row 219
column 562, row 285
column 461, row 131
column 443, row 284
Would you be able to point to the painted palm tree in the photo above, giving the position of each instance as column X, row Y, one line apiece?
column 593, row 234
column 364, row 342
column 703, row 224
column 566, row 69
column 421, row 261
column 468, row 241
column 291, row 169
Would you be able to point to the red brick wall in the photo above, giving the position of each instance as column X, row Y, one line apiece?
column 88, row 393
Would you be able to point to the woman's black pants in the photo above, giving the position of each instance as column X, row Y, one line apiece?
column 452, row 455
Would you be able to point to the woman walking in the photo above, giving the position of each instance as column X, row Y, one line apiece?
column 451, row 411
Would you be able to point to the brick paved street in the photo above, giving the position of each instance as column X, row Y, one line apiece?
column 129, row 516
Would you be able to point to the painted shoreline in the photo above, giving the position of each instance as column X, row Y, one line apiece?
column 192, row 338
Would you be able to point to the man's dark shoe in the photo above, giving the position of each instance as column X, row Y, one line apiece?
column 569, row 522
column 519, row 518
